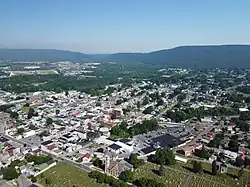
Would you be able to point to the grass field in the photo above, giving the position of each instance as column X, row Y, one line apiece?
column 180, row 176
column 64, row 175
column 47, row 72
column 172, row 178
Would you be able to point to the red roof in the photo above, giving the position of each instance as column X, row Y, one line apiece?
column 87, row 155
column 51, row 147
column 242, row 156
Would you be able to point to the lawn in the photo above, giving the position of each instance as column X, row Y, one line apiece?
column 64, row 175
column 172, row 178
column 47, row 72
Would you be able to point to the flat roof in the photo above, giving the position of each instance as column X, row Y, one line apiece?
column 166, row 141
column 47, row 142
column 114, row 146
column 3, row 139
column 124, row 140
column 148, row 150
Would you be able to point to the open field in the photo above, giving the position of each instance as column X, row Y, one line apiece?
column 32, row 72
column 64, row 175
column 47, row 72
column 178, row 175
column 172, row 178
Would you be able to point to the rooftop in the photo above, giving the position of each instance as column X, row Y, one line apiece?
column 114, row 146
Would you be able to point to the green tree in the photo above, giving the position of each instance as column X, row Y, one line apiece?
column 133, row 159
column 214, row 167
column 31, row 112
column 145, row 101
column 48, row 181
column 20, row 130
column 57, row 111
column 203, row 153
column 10, row 173
column 127, row 176
column 33, row 178
column 14, row 115
column 148, row 110
column 98, row 163
column 233, row 145
column 160, row 102
column 164, row 157
column 66, row 93
column 49, row 121
column 197, row 167
column 161, row 171
column 241, row 172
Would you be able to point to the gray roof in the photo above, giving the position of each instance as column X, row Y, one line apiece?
column 115, row 146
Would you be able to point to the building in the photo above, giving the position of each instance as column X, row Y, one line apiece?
column 5, row 122
column 115, row 167
column 114, row 148
column 188, row 150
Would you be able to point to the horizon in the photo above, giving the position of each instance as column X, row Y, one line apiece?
column 208, row 45
column 96, row 27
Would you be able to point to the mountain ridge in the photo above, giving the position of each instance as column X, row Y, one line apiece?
column 201, row 56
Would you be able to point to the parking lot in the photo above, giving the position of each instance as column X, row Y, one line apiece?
column 167, row 137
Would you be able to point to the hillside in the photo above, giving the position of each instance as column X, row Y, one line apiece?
column 224, row 56
column 40, row 55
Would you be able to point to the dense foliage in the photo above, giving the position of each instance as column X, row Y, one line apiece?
column 38, row 159
column 197, row 167
column 188, row 113
column 164, row 157
column 135, row 161
column 104, row 178
column 122, row 130
column 216, row 141
column 10, row 173
column 126, row 176
column 203, row 153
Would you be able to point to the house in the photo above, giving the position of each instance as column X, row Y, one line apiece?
column 5, row 122
column 188, row 150
column 221, row 167
column 244, row 150
column 210, row 135
column 230, row 154
column 115, row 167
column 86, row 157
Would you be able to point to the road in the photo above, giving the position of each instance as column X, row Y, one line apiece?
column 59, row 158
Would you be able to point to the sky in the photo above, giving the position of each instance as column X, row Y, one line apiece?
column 109, row 26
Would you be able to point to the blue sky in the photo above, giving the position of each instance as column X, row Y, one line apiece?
column 106, row 26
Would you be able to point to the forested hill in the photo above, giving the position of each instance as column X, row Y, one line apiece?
column 224, row 56
column 40, row 55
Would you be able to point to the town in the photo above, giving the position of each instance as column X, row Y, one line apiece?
column 184, row 119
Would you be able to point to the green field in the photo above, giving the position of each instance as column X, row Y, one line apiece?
column 47, row 72
column 64, row 175
column 180, row 176
column 172, row 178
